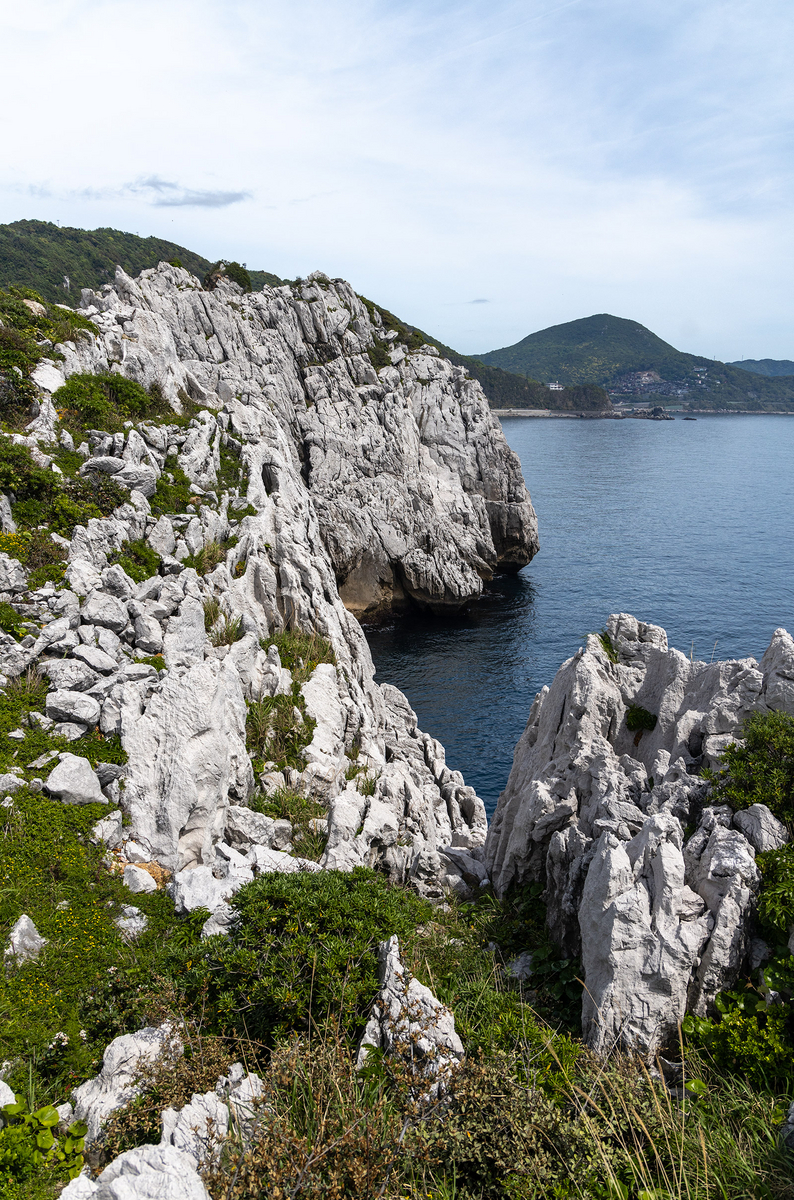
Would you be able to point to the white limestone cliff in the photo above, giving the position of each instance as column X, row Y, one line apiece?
column 361, row 489
column 604, row 818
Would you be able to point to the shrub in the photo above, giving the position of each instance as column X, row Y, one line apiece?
column 762, row 770
column 639, row 719
column 105, row 402
column 274, row 731
column 27, row 1142
column 230, row 270
column 305, row 945
column 776, row 899
column 172, row 495
column 138, row 559
column 10, row 621
column 30, row 485
column 289, row 805
column 378, row 354
column 210, row 556
column 746, row 1039
column 300, row 652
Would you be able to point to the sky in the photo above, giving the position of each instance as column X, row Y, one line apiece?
column 482, row 169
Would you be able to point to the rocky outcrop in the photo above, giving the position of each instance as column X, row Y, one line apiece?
column 304, row 466
column 645, row 878
column 409, row 1022
column 417, row 495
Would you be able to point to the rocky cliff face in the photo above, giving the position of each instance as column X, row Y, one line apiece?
column 644, row 877
column 360, row 489
column 417, row 496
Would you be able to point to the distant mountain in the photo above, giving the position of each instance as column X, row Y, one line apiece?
column 771, row 367
column 628, row 359
column 38, row 254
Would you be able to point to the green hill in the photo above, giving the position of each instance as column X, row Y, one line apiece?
column 628, row 359
column 771, row 367
column 38, row 254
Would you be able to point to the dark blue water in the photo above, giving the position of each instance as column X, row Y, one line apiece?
column 686, row 524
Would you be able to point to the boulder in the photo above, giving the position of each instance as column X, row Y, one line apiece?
column 119, row 1081
column 73, row 707
column 75, row 782
column 131, row 923
column 761, row 828
column 25, row 943
column 96, row 659
column 138, row 880
column 145, row 1173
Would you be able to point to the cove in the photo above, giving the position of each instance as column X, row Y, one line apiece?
column 687, row 524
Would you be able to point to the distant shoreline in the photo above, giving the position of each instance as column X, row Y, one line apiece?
column 640, row 414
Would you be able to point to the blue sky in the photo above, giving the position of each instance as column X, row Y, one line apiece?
column 484, row 169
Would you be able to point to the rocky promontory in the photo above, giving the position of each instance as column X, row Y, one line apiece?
column 645, row 876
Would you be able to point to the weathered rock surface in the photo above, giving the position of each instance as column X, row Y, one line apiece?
column 598, row 814
column 409, row 1021
column 25, row 943
column 118, row 1081
column 74, row 781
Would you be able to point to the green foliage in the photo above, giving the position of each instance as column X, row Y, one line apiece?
column 175, row 262
column 41, row 497
column 28, row 1142
column 608, row 646
column 776, row 901
column 227, row 631
column 106, row 402
column 209, row 556
column 274, row 732
column 639, row 719
column 137, row 559
column 746, row 1039
column 288, row 805
column 378, row 354
column 172, row 495
column 10, row 621
column 762, row 770
column 231, row 473
column 304, row 945
column 39, row 254
column 229, row 270
column 153, row 660
column 300, row 652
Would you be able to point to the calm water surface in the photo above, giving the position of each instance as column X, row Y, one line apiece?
column 686, row 524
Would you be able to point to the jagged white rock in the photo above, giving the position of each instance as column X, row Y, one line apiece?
column 25, row 943
column 118, row 1081
column 598, row 813
column 408, row 1020
column 74, row 781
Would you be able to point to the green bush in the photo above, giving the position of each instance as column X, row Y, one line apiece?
column 137, row 559
column 776, row 899
column 210, row 556
column 608, row 646
column 762, row 770
column 747, row 1040
column 274, row 733
column 639, row 719
column 378, row 354
column 105, row 402
column 10, row 621
column 305, row 946
column 28, row 1143
column 31, row 486
column 231, row 270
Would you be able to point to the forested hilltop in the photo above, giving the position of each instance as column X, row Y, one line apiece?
column 627, row 359
column 40, row 255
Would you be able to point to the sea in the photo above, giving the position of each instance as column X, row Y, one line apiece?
column 686, row 524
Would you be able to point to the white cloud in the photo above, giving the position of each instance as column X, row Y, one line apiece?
column 559, row 158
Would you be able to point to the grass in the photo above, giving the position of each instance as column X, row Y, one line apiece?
column 289, row 805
